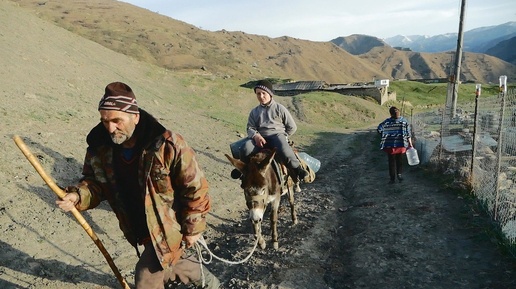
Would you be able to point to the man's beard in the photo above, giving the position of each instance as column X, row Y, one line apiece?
column 120, row 137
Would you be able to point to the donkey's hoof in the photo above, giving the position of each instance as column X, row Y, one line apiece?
column 275, row 245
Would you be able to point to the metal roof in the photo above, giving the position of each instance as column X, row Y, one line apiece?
column 300, row 85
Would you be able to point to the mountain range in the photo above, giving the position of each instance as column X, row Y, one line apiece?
column 175, row 45
column 492, row 40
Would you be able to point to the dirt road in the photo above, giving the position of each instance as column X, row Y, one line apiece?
column 357, row 231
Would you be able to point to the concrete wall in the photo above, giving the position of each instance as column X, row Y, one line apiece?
column 380, row 94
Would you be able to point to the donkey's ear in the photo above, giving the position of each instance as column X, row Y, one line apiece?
column 268, row 159
column 236, row 163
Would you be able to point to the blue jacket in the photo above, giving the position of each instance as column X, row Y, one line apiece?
column 395, row 133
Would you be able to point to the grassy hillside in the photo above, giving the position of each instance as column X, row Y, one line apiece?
column 178, row 46
column 48, row 64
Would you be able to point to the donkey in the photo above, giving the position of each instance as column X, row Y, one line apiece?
column 263, row 187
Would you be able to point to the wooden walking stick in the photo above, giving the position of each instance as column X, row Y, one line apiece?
column 60, row 193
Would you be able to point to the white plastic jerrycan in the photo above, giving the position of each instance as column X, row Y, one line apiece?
column 412, row 157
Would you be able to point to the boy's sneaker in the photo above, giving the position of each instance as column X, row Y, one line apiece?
column 301, row 173
column 400, row 179
column 235, row 174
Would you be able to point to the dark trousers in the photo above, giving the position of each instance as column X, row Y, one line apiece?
column 150, row 275
column 395, row 165
column 284, row 152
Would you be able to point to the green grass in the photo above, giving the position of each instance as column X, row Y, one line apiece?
column 422, row 95
column 336, row 111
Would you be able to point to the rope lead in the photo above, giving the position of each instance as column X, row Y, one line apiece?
column 202, row 243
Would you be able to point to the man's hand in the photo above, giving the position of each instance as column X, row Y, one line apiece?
column 190, row 240
column 259, row 140
column 68, row 202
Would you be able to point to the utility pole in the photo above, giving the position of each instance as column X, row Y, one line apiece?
column 455, row 77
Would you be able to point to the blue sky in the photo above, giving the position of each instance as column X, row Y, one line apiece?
column 324, row 20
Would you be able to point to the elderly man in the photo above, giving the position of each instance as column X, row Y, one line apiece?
column 151, row 179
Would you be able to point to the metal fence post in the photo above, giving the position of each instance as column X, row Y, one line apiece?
column 475, row 123
column 499, row 157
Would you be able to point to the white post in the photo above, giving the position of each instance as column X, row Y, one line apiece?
column 503, row 84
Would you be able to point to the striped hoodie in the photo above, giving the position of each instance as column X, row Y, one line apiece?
column 395, row 133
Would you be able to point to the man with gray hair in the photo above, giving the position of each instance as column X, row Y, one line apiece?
column 152, row 181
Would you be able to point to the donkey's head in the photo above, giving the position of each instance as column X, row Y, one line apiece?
column 258, row 182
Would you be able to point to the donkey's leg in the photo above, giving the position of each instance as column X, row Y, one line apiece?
column 292, row 203
column 295, row 180
column 257, row 226
column 274, row 220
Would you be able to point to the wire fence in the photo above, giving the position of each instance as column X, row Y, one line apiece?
column 476, row 145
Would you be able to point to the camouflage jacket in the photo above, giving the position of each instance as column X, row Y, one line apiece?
column 173, row 187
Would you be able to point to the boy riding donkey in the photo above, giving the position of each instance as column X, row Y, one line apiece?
column 269, row 125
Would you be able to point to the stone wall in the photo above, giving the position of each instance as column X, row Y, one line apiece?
column 380, row 93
